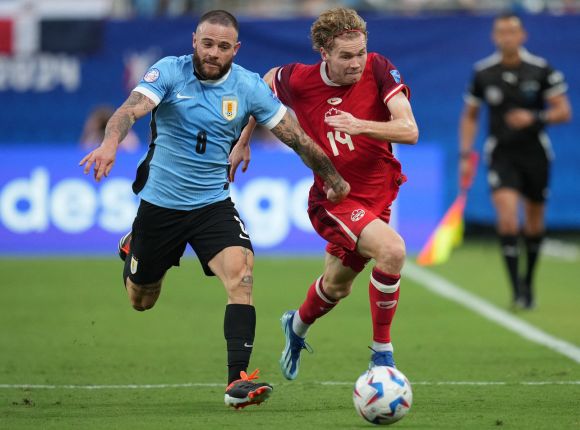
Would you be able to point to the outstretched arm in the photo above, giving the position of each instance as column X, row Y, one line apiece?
column 402, row 128
column 136, row 106
column 289, row 131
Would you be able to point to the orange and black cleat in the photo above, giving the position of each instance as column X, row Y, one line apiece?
column 243, row 392
column 125, row 246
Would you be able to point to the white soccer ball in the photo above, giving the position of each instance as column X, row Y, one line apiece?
column 382, row 395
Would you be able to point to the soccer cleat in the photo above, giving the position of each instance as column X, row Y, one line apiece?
column 382, row 358
column 243, row 392
column 290, row 360
column 125, row 246
column 525, row 298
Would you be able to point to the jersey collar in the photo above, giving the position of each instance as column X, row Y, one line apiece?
column 325, row 77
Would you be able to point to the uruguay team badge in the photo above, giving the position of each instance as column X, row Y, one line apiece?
column 229, row 107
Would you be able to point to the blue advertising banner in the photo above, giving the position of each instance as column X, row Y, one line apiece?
column 47, row 206
column 433, row 60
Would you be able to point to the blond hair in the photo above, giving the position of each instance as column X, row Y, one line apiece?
column 336, row 22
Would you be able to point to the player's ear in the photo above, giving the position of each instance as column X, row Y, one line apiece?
column 193, row 39
column 236, row 47
column 323, row 54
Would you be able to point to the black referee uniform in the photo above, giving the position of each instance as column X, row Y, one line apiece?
column 517, row 158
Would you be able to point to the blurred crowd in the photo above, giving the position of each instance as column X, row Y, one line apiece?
column 268, row 8
column 127, row 9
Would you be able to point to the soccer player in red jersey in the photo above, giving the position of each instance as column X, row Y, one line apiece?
column 353, row 104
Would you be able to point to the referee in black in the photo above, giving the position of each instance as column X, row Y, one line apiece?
column 524, row 95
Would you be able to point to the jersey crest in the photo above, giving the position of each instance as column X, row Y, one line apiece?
column 229, row 107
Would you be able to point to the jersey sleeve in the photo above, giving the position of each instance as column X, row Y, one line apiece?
column 388, row 78
column 281, row 84
column 265, row 107
column 474, row 94
column 554, row 83
column 159, row 79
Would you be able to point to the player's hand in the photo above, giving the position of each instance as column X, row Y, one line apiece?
column 240, row 152
column 345, row 123
column 519, row 118
column 466, row 171
column 337, row 192
column 103, row 159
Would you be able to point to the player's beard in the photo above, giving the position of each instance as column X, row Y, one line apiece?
column 212, row 74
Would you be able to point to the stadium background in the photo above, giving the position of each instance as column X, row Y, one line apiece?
column 81, row 58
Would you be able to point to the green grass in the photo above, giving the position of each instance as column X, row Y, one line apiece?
column 69, row 322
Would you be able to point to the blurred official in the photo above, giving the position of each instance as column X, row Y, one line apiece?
column 524, row 94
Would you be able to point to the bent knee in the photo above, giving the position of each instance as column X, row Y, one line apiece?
column 393, row 251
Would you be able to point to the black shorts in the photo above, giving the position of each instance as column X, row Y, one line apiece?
column 528, row 172
column 160, row 235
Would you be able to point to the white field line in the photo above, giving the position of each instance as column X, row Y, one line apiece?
column 561, row 250
column 444, row 288
column 216, row 384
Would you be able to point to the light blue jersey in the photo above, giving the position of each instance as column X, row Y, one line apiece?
column 193, row 127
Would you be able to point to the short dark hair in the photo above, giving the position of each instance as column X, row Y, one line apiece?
column 508, row 15
column 220, row 17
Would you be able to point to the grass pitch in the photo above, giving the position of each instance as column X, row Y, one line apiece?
column 67, row 324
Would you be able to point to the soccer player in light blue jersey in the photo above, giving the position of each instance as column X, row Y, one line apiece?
column 199, row 106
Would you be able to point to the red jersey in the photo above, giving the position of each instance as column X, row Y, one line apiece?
column 367, row 164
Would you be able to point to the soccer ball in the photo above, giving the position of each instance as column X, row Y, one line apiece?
column 382, row 395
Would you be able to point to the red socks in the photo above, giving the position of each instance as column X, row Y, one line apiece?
column 383, row 296
column 316, row 304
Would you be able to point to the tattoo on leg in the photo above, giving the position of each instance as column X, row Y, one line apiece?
column 246, row 283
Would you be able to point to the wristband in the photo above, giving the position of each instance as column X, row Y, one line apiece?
column 542, row 117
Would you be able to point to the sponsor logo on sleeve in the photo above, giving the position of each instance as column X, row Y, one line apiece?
column 396, row 76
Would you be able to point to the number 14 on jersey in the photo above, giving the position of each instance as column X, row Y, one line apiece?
column 343, row 138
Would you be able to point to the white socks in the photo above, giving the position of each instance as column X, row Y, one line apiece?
column 382, row 347
column 299, row 327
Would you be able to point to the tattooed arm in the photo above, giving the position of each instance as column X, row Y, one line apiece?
column 135, row 107
column 289, row 131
